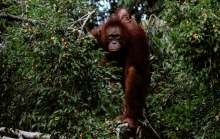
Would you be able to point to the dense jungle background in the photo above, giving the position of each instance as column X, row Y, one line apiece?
column 51, row 79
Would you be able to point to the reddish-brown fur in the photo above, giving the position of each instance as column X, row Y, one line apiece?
column 133, row 57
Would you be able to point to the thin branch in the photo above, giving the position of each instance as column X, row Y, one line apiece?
column 84, row 23
column 23, row 19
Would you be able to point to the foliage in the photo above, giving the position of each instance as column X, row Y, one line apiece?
column 51, row 80
column 186, row 72
column 140, row 9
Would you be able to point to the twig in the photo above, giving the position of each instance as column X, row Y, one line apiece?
column 84, row 23
column 19, row 18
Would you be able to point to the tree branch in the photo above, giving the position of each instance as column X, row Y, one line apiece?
column 20, row 134
column 84, row 23
column 23, row 19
